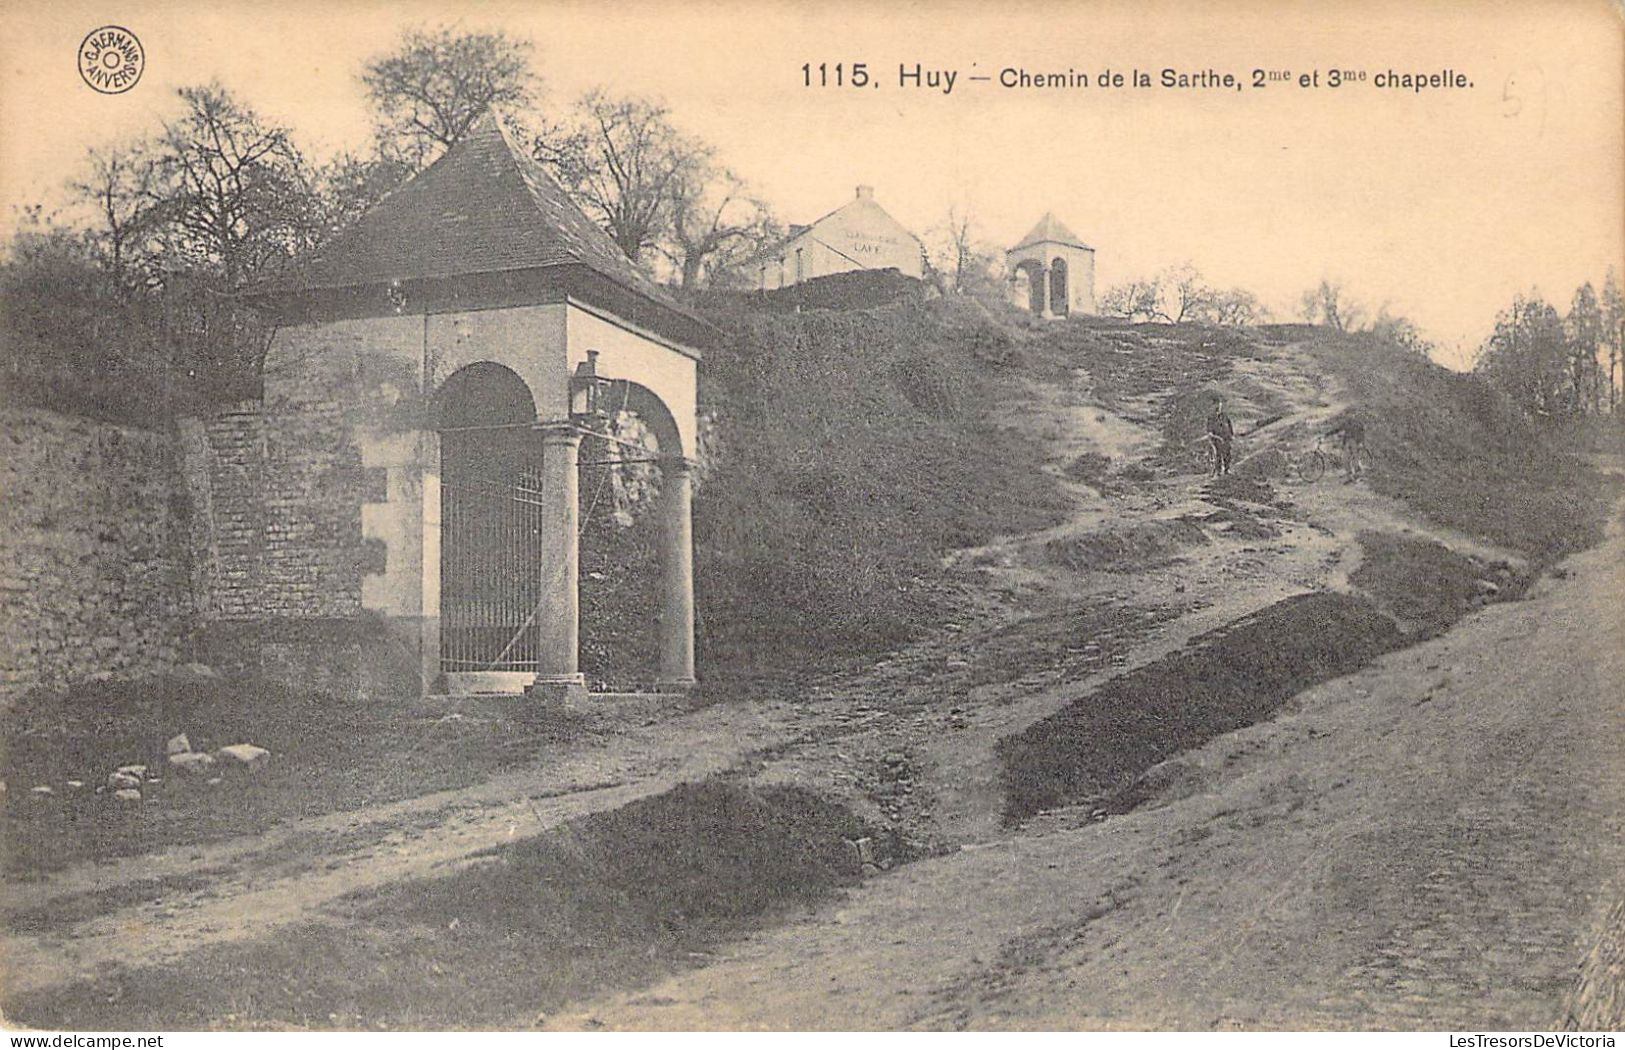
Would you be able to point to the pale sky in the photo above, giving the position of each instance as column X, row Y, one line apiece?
column 1444, row 204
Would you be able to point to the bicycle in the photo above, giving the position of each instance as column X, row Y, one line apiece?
column 1309, row 466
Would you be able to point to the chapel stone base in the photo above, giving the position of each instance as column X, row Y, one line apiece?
column 486, row 683
column 559, row 692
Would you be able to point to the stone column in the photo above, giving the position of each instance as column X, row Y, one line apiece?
column 558, row 613
column 677, row 576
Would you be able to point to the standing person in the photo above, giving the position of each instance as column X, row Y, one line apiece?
column 1222, row 434
column 1350, row 432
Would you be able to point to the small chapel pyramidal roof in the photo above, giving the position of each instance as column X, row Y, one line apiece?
column 1050, row 230
column 484, row 207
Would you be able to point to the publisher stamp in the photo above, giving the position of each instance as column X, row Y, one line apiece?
column 111, row 59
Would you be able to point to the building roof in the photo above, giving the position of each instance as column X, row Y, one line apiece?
column 485, row 207
column 864, row 200
column 1050, row 230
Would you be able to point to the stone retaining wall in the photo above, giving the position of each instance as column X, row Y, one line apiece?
column 94, row 571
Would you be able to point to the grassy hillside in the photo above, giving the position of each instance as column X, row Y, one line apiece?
column 1455, row 449
column 848, row 452
column 1445, row 444
column 614, row 899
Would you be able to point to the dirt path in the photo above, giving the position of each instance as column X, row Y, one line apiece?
column 150, row 909
column 1427, row 843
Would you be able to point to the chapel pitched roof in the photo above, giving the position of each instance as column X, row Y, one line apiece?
column 1050, row 230
column 484, row 207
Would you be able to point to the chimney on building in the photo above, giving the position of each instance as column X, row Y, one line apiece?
column 866, row 193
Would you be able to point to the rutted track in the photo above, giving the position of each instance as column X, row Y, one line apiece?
column 1431, row 842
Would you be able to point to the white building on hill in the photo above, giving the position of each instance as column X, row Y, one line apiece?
column 859, row 235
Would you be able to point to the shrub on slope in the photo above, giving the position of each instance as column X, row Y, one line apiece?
column 1457, row 450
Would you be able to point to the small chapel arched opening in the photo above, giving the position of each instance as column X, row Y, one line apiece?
column 635, row 494
column 1030, row 286
column 1059, row 304
column 490, row 525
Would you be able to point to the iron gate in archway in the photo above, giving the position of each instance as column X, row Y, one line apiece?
column 490, row 564
column 490, row 522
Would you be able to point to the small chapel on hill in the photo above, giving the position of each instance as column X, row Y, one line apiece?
column 1052, row 272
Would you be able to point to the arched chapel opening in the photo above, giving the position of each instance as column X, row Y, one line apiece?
column 490, row 522
column 1058, row 302
column 1033, row 273
column 634, row 482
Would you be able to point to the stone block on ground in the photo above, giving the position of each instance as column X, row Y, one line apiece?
column 127, row 795
column 243, row 755
column 122, row 779
column 177, row 745
column 192, row 763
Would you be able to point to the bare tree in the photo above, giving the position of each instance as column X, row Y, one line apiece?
column 1613, row 334
column 625, row 161
column 118, row 184
column 1236, row 307
column 1400, row 331
column 1329, row 305
column 714, row 224
column 232, row 201
column 1184, row 295
column 1584, row 328
column 231, row 191
column 437, row 83
column 1137, row 300
column 1178, row 294
column 961, row 262
column 1527, row 356
column 351, row 183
